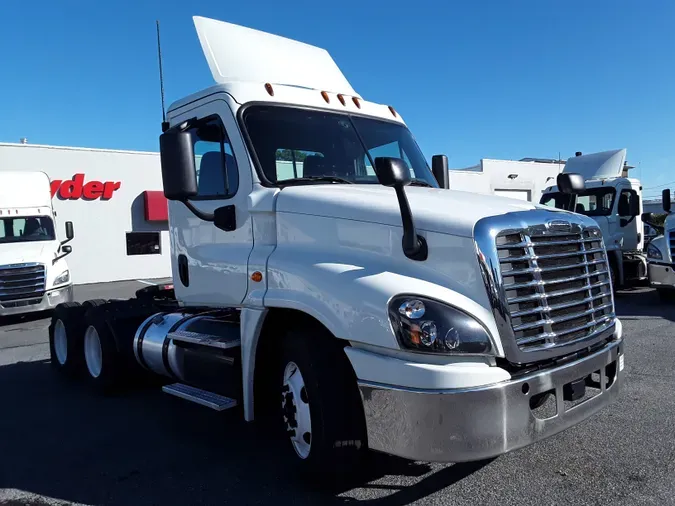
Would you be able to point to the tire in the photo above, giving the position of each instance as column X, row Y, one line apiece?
column 93, row 303
column 66, row 331
column 666, row 294
column 320, row 397
column 104, row 365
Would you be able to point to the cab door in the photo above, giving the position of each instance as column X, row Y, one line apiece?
column 209, row 265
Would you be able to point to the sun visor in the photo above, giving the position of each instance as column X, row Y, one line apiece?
column 239, row 54
column 603, row 165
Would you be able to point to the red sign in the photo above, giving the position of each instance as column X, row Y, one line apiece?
column 75, row 189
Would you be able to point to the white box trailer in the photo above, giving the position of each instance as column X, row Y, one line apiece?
column 518, row 179
column 115, row 202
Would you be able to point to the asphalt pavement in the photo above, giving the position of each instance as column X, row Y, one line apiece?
column 60, row 444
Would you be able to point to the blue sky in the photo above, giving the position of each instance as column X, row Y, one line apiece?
column 490, row 79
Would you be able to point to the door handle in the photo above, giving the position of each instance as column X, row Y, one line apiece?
column 183, row 272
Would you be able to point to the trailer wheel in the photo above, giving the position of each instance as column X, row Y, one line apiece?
column 102, row 360
column 65, row 338
column 93, row 303
column 321, row 411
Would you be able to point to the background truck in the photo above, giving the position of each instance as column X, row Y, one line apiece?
column 614, row 201
column 344, row 301
column 660, row 255
column 34, row 275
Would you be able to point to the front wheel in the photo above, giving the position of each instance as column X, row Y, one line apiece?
column 320, row 409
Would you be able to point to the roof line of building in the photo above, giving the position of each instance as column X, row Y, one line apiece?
column 75, row 148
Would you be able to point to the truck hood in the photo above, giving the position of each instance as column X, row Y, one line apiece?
column 26, row 252
column 434, row 210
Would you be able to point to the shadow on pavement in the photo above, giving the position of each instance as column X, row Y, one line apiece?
column 20, row 319
column 640, row 303
column 59, row 440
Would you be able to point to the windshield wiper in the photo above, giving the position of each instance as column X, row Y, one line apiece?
column 318, row 179
column 420, row 182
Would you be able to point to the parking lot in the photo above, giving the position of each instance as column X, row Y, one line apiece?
column 59, row 444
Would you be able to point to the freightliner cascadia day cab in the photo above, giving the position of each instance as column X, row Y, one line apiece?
column 323, row 281
column 34, row 275
column 614, row 201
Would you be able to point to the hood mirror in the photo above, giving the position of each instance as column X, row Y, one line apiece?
column 394, row 173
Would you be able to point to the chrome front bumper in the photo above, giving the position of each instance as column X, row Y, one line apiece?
column 478, row 423
column 49, row 300
column 661, row 275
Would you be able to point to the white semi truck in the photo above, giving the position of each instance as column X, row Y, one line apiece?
column 661, row 254
column 351, row 302
column 614, row 201
column 34, row 275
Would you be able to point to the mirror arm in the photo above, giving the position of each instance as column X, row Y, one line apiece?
column 59, row 257
column 414, row 246
column 199, row 214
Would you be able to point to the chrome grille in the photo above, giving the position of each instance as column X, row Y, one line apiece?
column 671, row 243
column 21, row 281
column 556, row 286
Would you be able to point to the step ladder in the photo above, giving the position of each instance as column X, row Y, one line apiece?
column 199, row 396
column 223, row 343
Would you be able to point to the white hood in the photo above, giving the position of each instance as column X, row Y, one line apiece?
column 434, row 210
column 25, row 252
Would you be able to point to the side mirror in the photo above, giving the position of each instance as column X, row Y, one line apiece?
column 178, row 164
column 66, row 249
column 69, row 230
column 665, row 200
column 634, row 204
column 624, row 205
column 394, row 172
column 439, row 166
column 571, row 184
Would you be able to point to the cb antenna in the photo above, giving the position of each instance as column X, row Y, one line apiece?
column 165, row 124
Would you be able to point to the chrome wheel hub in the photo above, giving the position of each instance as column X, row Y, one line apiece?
column 295, row 408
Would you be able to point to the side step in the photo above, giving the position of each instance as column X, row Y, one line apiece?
column 199, row 396
column 186, row 336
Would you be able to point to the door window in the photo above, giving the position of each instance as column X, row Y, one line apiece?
column 217, row 173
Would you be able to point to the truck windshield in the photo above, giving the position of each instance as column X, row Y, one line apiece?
column 26, row 228
column 296, row 146
column 591, row 202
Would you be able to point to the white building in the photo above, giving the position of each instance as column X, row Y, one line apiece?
column 116, row 204
column 520, row 179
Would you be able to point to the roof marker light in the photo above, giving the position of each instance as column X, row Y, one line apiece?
column 325, row 97
column 357, row 102
column 341, row 98
column 269, row 89
column 391, row 109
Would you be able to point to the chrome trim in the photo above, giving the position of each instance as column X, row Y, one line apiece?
column 22, row 281
column 532, row 227
column 467, row 424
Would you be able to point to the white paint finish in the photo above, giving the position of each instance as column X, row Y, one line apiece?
column 515, row 194
column 99, row 247
column 251, row 325
column 236, row 53
column 387, row 370
column 23, row 190
column 344, row 272
column 217, row 259
column 433, row 209
column 602, row 165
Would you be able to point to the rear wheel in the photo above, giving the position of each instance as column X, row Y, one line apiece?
column 104, row 363
column 65, row 338
column 320, row 406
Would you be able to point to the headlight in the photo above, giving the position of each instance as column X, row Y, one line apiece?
column 653, row 252
column 427, row 325
column 64, row 277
